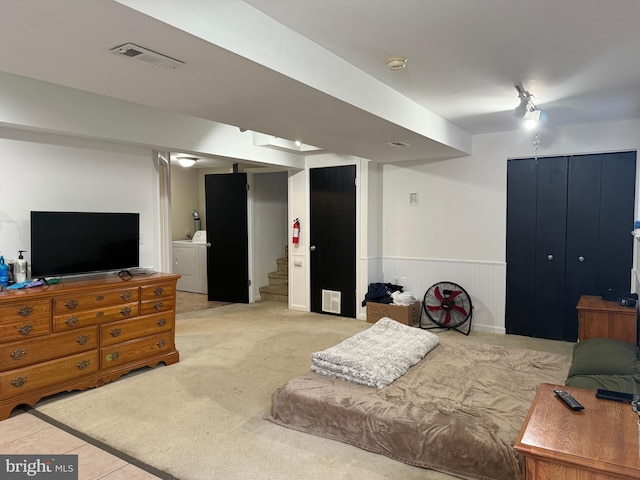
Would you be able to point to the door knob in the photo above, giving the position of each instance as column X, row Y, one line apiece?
column 581, row 258
column 549, row 257
column 312, row 248
column 208, row 244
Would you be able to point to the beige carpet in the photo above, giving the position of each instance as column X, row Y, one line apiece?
column 202, row 417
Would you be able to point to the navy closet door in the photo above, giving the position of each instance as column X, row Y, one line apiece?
column 521, row 246
column 576, row 219
column 617, row 200
column 551, row 225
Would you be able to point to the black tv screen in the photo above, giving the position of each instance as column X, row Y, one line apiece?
column 69, row 243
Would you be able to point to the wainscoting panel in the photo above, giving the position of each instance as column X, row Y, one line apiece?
column 298, row 281
column 484, row 281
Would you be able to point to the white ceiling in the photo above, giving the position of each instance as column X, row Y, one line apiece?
column 315, row 70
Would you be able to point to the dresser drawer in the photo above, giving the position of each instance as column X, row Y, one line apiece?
column 117, row 332
column 129, row 352
column 94, row 300
column 55, row 372
column 19, row 311
column 92, row 317
column 159, row 305
column 47, row 347
column 151, row 292
column 26, row 328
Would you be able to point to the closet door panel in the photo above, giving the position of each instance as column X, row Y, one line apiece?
column 617, row 200
column 521, row 246
column 583, row 219
column 551, row 216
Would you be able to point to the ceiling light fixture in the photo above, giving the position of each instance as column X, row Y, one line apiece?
column 526, row 103
column 187, row 161
column 396, row 63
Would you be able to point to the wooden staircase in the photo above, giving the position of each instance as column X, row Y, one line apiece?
column 278, row 288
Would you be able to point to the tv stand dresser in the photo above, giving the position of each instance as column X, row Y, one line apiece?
column 81, row 334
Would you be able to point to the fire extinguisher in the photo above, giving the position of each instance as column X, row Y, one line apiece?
column 296, row 231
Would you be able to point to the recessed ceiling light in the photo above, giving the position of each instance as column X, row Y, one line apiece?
column 396, row 63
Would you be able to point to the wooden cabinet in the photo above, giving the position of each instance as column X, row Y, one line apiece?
column 598, row 318
column 82, row 334
column 597, row 443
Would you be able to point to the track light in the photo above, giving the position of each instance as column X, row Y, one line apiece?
column 526, row 103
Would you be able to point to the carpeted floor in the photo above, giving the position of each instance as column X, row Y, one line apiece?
column 202, row 418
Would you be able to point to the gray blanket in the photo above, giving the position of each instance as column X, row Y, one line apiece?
column 377, row 356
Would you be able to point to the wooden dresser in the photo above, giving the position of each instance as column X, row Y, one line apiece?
column 601, row 318
column 597, row 443
column 83, row 333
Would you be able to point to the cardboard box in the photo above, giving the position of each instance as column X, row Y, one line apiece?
column 409, row 315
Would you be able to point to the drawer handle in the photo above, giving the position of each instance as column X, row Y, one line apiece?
column 157, row 305
column 19, row 382
column 25, row 329
column 25, row 311
column 18, row 354
column 113, row 356
column 83, row 364
column 158, row 291
column 71, row 304
column 71, row 321
column 83, row 339
column 115, row 332
column 100, row 314
column 162, row 322
column 125, row 296
column 125, row 312
column 161, row 343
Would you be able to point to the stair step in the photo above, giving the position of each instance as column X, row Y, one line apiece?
column 278, row 278
column 276, row 293
column 283, row 264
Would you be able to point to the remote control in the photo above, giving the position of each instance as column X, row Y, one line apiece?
column 571, row 402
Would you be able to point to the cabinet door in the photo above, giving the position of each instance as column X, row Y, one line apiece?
column 551, row 224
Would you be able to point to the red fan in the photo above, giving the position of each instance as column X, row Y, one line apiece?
column 447, row 305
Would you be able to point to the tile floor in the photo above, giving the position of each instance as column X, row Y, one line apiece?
column 23, row 433
column 26, row 432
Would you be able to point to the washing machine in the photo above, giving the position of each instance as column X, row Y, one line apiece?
column 190, row 261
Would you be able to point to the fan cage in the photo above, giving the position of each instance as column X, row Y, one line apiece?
column 448, row 306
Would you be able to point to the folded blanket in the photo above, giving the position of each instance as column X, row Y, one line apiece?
column 377, row 356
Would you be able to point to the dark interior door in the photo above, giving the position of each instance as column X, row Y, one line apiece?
column 227, row 235
column 583, row 235
column 551, row 224
column 521, row 246
column 617, row 200
column 333, row 239
column 577, row 219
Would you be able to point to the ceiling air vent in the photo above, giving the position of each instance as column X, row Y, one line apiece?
column 398, row 144
column 145, row 55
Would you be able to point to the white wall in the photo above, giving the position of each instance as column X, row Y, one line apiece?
column 52, row 172
column 185, row 197
column 269, row 224
column 458, row 230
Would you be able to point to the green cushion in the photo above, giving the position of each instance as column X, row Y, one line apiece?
column 617, row 383
column 604, row 356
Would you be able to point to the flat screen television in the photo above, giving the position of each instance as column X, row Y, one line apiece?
column 72, row 243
